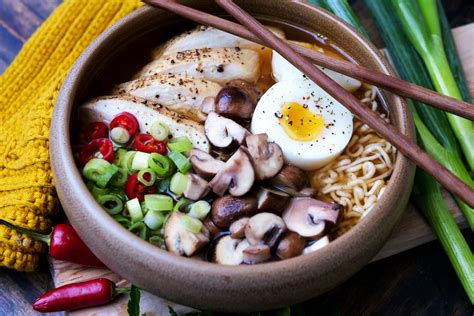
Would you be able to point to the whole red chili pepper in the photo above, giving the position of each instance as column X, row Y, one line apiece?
column 98, row 148
column 78, row 295
column 135, row 189
column 147, row 144
column 64, row 244
column 96, row 130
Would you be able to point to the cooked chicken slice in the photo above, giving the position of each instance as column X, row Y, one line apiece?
column 207, row 37
column 178, row 92
column 215, row 64
column 106, row 108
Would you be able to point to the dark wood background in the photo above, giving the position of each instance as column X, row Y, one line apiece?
column 418, row 282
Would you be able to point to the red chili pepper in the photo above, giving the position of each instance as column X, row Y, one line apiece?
column 127, row 121
column 136, row 189
column 64, row 244
column 78, row 295
column 146, row 143
column 96, row 130
column 98, row 148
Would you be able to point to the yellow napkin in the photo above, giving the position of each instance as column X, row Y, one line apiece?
column 28, row 91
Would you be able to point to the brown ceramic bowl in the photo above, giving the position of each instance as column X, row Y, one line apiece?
column 112, row 58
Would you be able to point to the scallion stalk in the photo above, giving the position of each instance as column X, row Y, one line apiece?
column 105, row 178
column 161, row 165
column 200, row 209
column 181, row 144
column 96, row 191
column 94, row 168
column 158, row 202
column 154, row 219
column 111, row 203
column 181, row 162
column 178, row 183
column 135, row 210
column 122, row 220
column 141, row 177
column 140, row 161
column 182, row 205
column 120, row 178
column 140, row 229
column 191, row 224
column 159, row 131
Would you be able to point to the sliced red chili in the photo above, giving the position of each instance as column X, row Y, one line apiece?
column 96, row 130
column 146, row 143
column 127, row 121
column 136, row 189
column 98, row 148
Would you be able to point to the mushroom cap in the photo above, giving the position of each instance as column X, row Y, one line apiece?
column 264, row 228
column 227, row 209
column 237, row 228
column 290, row 179
column 272, row 201
column 237, row 177
column 222, row 131
column 290, row 245
column 179, row 240
column 229, row 251
column 256, row 254
column 237, row 100
column 196, row 188
column 204, row 164
column 320, row 243
column 309, row 217
column 213, row 230
column 267, row 156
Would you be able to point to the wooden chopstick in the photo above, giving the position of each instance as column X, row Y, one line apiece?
column 389, row 83
column 402, row 142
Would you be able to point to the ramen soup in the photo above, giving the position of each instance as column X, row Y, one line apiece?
column 220, row 149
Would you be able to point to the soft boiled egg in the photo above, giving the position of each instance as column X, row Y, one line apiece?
column 311, row 127
column 283, row 70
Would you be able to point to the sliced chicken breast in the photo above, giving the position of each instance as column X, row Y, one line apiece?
column 106, row 108
column 178, row 92
column 215, row 64
column 208, row 37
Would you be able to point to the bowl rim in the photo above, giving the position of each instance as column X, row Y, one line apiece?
column 67, row 174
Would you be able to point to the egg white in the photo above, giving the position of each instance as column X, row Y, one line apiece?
column 308, row 155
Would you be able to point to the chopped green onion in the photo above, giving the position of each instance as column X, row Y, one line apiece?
column 191, row 224
column 178, row 183
column 96, row 191
column 181, row 144
column 118, row 192
column 159, row 131
column 111, row 203
column 164, row 185
column 104, row 179
column 120, row 135
column 154, row 219
column 158, row 202
column 180, row 161
column 119, row 157
column 182, row 205
column 135, row 210
column 200, row 210
column 90, row 185
column 160, row 164
column 141, row 177
column 120, row 178
column 122, row 220
column 139, row 229
column 140, row 161
column 156, row 240
column 94, row 168
column 128, row 160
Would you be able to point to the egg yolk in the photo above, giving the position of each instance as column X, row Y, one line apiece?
column 300, row 123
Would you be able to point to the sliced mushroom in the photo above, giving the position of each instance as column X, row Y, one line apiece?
column 213, row 230
column 237, row 100
column 196, row 188
column 229, row 251
column 227, row 209
column 265, row 228
column 237, row 177
column 272, row 201
column 317, row 245
column 309, row 217
column 237, row 228
column 204, row 164
column 180, row 241
column 290, row 245
column 267, row 156
column 256, row 254
column 222, row 131
column 290, row 179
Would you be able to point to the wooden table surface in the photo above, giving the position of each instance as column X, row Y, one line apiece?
column 418, row 282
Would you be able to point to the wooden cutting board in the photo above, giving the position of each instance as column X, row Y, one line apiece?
column 412, row 230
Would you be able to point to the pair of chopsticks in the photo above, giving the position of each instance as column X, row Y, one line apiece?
column 300, row 57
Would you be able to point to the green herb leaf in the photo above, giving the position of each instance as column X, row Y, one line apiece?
column 133, row 308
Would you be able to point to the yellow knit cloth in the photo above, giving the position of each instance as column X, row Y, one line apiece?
column 28, row 91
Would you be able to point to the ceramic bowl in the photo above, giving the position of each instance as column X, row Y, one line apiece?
column 112, row 58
